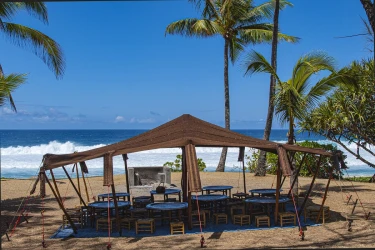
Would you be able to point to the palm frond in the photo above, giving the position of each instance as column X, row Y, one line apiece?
column 44, row 47
column 233, row 10
column 310, row 64
column 257, row 63
column 7, row 85
column 369, row 35
column 235, row 48
column 261, row 33
column 206, row 28
column 209, row 10
column 193, row 27
column 36, row 9
column 7, row 10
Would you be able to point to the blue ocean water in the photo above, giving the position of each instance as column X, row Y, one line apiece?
column 22, row 151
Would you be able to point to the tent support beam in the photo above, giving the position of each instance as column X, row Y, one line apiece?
column 125, row 158
column 74, row 186
column 298, row 170
column 189, row 211
column 60, row 204
column 55, row 184
column 184, row 177
column 325, row 195
column 277, row 191
column 79, row 186
column 84, row 183
column 244, row 177
column 116, row 209
column 311, row 185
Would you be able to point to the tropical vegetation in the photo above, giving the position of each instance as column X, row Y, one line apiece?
column 176, row 165
column 9, row 83
column 240, row 23
column 42, row 45
column 307, row 168
column 348, row 116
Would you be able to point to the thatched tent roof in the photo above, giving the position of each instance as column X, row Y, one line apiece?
column 179, row 132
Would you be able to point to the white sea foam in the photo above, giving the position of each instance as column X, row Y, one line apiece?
column 30, row 157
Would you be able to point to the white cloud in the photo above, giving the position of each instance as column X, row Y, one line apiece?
column 7, row 111
column 144, row 120
column 119, row 119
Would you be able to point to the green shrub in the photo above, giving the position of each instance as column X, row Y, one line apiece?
column 176, row 165
column 358, row 179
column 307, row 168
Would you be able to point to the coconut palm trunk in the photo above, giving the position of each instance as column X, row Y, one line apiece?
column 261, row 167
column 223, row 157
column 370, row 12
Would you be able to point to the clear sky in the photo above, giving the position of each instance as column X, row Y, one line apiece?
column 122, row 72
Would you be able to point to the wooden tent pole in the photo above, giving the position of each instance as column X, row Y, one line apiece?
column 310, row 188
column 79, row 186
column 244, row 178
column 60, row 204
column 298, row 170
column 189, row 211
column 184, row 177
column 55, row 184
column 277, row 191
column 74, row 186
column 325, row 195
column 84, row 183
column 125, row 158
column 116, row 209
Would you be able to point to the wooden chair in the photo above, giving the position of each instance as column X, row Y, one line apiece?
column 102, row 223
column 262, row 220
column 241, row 219
column 196, row 217
column 75, row 215
column 312, row 212
column 221, row 218
column 177, row 227
column 127, row 222
column 287, row 217
column 235, row 208
column 145, row 225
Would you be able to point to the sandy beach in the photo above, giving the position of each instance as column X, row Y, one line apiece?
column 333, row 233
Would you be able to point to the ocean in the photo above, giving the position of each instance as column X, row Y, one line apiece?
column 22, row 151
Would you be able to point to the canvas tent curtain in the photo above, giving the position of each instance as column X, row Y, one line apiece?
column 179, row 132
column 194, row 180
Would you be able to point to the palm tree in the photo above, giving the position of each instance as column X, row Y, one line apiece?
column 7, row 85
column 43, row 46
column 368, row 6
column 296, row 96
column 239, row 23
column 261, row 166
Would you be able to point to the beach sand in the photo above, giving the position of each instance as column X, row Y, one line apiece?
column 333, row 233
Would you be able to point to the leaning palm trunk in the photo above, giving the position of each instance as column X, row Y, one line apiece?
column 223, row 157
column 261, row 167
column 369, row 7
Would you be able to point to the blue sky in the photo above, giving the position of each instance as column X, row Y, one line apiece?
column 123, row 73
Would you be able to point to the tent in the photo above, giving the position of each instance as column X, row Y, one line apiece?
column 185, row 132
